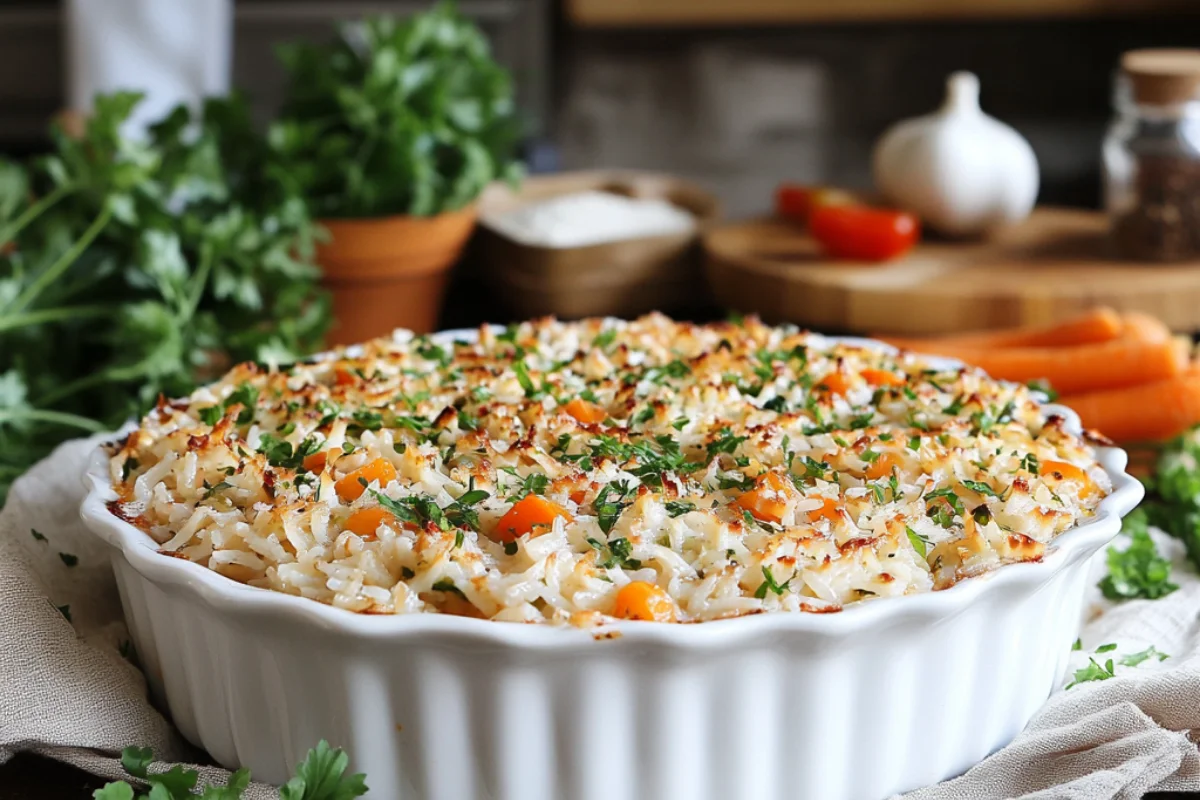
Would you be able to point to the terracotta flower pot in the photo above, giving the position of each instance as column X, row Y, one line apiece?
column 390, row 272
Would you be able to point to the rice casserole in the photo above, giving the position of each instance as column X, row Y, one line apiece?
column 576, row 472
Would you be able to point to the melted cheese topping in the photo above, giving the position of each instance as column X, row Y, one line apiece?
column 569, row 472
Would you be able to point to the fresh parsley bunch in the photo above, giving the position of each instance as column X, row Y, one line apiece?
column 321, row 776
column 406, row 116
column 1173, row 493
column 134, row 267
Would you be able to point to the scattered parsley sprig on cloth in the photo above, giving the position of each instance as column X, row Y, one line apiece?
column 320, row 776
column 131, row 267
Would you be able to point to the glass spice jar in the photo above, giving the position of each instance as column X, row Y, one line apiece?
column 1152, row 156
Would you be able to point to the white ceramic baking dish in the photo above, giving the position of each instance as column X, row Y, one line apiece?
column 882, row 697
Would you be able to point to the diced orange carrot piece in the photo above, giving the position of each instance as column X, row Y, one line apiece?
column 829, row 510
column 834, row 383
column 1061, row 470
column 768, row 500
column 349, row 488
column 644, row 601
column 528, row 514
column 882, row 377
column 366, row 521
column 584, row 411
column 883, row 466
column 343, row 377
column 317, row 461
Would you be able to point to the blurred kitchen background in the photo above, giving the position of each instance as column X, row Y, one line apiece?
column 735, row 95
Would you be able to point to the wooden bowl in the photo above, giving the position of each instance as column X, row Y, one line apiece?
column 621, row 279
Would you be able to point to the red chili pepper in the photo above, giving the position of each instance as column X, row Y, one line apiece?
column 863, row 234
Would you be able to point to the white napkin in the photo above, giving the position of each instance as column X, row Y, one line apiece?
column 69, row 693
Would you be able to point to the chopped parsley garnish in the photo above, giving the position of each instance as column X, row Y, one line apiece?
column 725, row 442
column 329, row 411
column 610, row 502
column 943, row 513
column 955, row 407
column 1043, row 385
column 919, row 542
column 769, row 584
column 533, row 483
column 247, row 395
column 605, row 338
column 211, row 415
column 734, row 480
column 641, row 417
column 209, row 491
column 914, row 443
column 466, row 421
column 814, row 468
column 522, row 373
column 979, row 487
column 777, row 404
column 676, row 508
column 461, row 514
column 432, row 352
column 368, row 419
column 447, row 585
column 862, row 421
column 280, row 453
column 1106, row 648
column 614, row 553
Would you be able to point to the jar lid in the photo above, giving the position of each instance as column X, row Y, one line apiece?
column 1163, row 77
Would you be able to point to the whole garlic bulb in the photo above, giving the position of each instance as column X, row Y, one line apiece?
column 961, row 171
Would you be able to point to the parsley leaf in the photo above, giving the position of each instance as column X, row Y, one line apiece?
column 1092, row 672
column 979, row 487
column 770, row 584
column 322, row 776
column 604, row 339
column 211, row 415
column 1133, row 659
column 676, row 508
column 1137, row 571
column 919, row 542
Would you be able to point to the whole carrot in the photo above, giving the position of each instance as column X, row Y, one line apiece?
column 1097, row 325
column 1149, row 412
column 1083, row 368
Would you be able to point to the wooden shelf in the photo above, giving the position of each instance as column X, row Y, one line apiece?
column 639, row 13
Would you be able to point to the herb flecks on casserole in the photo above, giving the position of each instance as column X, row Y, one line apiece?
column 567, row 472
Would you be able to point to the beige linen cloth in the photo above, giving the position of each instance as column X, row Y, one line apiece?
column 68, row 693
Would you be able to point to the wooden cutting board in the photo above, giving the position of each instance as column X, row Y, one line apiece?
column 1054, row 264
